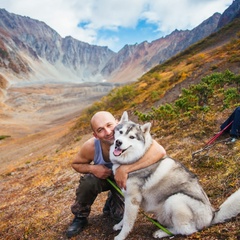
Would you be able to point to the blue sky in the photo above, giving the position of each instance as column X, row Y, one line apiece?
column 115, row 23
column 143, row 31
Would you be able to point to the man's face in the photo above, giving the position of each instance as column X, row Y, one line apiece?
column 104, row 128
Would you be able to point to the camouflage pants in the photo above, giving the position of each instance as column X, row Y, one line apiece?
column 88, row 189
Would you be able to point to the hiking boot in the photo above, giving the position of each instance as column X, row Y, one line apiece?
column 114, row 207
column 76, row 226
column 231, row 140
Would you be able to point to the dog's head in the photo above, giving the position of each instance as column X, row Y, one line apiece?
column 131, row 140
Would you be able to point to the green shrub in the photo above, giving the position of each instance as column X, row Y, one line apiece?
column 4, row 136
column 198, row 98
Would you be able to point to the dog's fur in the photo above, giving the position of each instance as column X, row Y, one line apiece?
column 166, row 189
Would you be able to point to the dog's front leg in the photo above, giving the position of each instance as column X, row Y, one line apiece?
column 118, row 226
column 132, row 204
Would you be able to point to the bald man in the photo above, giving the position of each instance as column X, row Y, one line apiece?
column 93, row 162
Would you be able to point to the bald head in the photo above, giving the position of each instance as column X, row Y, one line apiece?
column 101, row 118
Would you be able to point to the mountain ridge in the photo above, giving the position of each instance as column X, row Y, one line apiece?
column 32, row 51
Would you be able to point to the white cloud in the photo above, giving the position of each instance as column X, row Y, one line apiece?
column 64, row 16
column 182, row 14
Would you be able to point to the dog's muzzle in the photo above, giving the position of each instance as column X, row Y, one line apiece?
column 118, row 151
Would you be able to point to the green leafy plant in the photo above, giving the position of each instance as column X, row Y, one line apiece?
column 198, row 98
column 4, row 136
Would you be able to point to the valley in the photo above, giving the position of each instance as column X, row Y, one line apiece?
column 36, row 116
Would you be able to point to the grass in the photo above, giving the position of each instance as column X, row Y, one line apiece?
column 4, row 137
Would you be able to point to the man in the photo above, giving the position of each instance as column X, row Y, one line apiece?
column 94, row 181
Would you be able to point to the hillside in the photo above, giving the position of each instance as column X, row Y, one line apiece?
column 164, row 83
column 186, row 99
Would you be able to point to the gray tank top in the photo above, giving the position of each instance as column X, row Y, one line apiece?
column 98, row 156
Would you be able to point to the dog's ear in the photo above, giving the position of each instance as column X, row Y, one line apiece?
column 146, row 127
column 124, row 117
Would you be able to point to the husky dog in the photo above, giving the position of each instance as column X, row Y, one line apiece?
column 166, row 189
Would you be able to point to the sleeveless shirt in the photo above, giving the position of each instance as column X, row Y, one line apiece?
column 98, row 156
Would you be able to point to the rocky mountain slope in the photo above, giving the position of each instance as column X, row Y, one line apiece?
column 32, row 51
column 132, row 61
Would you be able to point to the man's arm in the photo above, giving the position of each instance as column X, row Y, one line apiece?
column 82, row 162
column 153, row 155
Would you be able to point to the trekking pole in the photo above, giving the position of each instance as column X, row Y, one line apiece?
column 218, row 134
column 149, row 218
column 212, row 139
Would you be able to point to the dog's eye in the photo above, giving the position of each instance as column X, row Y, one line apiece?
column 121, row 132
column 131, row 137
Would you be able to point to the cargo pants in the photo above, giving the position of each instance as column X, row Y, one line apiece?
column 88, row 189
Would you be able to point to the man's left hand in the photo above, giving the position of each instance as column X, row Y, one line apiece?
column 121, row 175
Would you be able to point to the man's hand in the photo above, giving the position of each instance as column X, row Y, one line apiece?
column 100, row 171
column 121, row 175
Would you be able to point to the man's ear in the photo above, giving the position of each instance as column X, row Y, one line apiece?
column 95, row 135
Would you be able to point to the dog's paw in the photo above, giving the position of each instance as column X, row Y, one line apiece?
column 160, row 234
column 118, row 238
column 118, row 226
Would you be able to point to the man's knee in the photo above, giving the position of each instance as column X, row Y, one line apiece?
column 89, row 179
column 92, row 184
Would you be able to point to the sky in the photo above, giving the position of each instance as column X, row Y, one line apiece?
column 115, row 23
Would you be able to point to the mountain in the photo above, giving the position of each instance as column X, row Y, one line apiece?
column 233, row 11
column 32, row 51
column 132, row 61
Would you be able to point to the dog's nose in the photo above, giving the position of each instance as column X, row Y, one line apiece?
column 118, row 143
